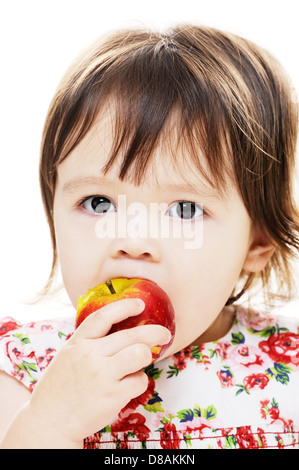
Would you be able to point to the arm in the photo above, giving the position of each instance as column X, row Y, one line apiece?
column 89, row 381
column 19, row 428
column 13, row 395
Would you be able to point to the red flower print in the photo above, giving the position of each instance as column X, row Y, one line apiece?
column 32, row 386
column 180, row 358
column 135, row 423
column 282, row 348
column 169, row 437
column 143, row 398
column 255, row 381
column 44, row 361
column 246, row 438
column 8, row 324
column 226, row 378
column 13, row 353
column 221, row 349
column 279, row 442
column 274, row 412
column 262, row 437
column 92, row 442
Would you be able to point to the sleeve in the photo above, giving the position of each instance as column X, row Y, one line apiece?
column 26, row 350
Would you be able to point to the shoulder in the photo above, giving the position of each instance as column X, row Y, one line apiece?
column 277, row 336
column 261, row 322
column 262, row 354
column 26, row 349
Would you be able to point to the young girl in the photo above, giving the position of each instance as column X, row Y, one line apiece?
column 203, row 124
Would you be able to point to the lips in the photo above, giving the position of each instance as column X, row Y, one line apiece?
column 134, row 274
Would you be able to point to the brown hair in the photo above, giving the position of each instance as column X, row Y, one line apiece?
column 231, row 96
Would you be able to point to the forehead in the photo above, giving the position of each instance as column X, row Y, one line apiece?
column 170, row 163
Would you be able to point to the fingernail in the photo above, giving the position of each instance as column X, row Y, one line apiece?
column 166, row 336
column 140, row 304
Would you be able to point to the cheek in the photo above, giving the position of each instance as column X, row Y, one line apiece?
column 218, row 262
column 79, row 253
column 204, row 279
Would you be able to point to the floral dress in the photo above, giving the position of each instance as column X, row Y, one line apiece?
column 241, row 391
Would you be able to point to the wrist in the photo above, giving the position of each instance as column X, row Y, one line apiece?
column 27, row 431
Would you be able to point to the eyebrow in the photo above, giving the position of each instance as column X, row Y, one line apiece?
column 75, row 184
column 201, row 190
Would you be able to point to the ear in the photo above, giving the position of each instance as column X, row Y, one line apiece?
column 259, row 253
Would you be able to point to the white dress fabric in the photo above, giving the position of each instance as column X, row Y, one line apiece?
column 239, row 392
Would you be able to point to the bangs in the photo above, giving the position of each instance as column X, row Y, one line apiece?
column 157, row 99
column 138, row 137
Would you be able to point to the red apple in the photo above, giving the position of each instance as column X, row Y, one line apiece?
column 158, row 308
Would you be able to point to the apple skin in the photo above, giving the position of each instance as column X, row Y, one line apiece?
column 158, row 307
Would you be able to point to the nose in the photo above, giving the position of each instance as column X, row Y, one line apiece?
column 136, row 248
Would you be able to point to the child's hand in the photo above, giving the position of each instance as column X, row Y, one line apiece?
column 93, row 376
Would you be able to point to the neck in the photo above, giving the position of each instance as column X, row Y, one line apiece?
column 219, row 328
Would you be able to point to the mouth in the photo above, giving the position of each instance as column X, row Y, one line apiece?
column 137, row 272
column 161, row 283
column 125, row 276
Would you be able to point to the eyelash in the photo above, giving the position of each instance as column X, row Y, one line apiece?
column 185, row 209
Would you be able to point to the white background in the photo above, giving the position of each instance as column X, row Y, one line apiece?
column 39, row 38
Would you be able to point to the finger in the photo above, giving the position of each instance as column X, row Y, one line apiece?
column 100, row 322
column 130, row 360
column 149, row 335
column 134, row 385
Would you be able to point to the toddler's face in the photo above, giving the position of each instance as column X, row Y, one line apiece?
column 106, row 228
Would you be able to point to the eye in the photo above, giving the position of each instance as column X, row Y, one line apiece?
column 186, row 210
column 98, row 205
